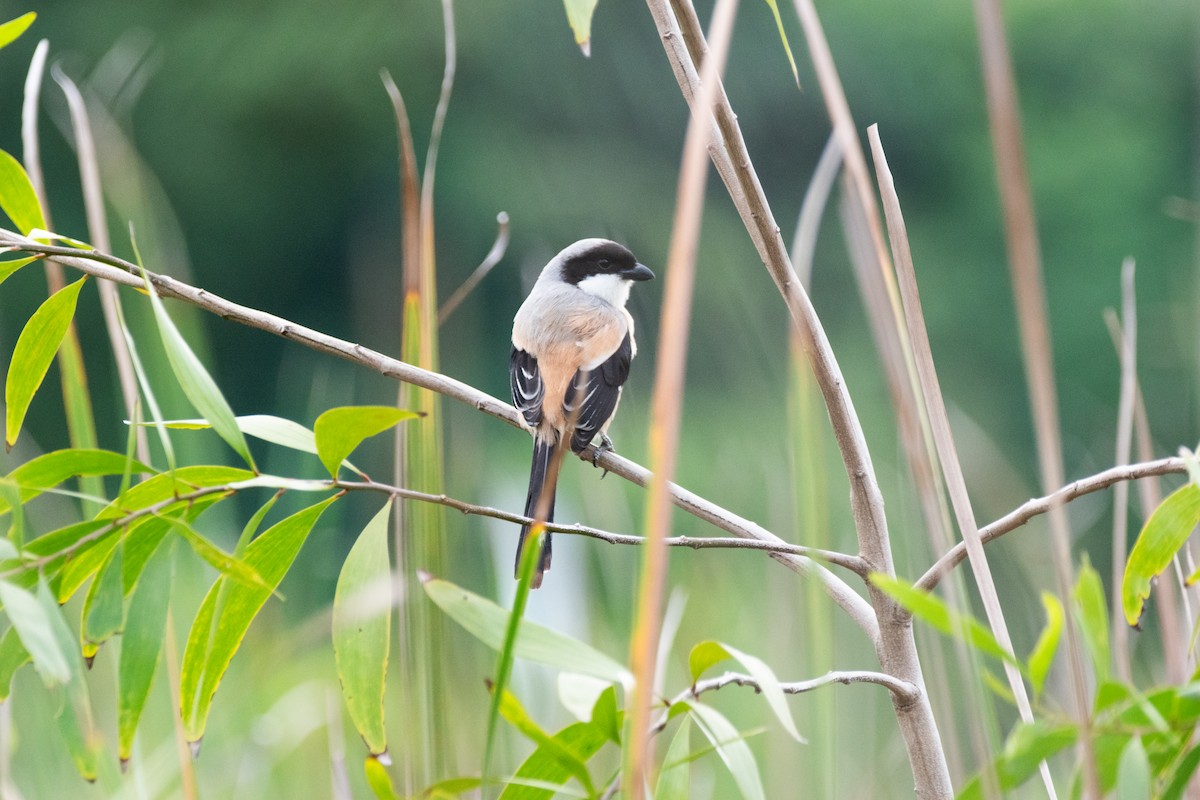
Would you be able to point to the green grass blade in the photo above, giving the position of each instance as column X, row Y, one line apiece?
column 220, row 627
column 17, row 196
column 340, row 430
column 141, row 646
column 787, row 48
column 34, row 351
column 1168, row 527
column 362, row 619
column 199, row 387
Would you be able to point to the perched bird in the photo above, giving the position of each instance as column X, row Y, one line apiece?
column 572, row 343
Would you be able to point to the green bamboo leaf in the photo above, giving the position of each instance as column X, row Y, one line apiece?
column 227, row 611
column 379, row 780
column 228, row 565
column 787, row 48
column 340, row 430
column 141, row 646
column 13, row 656
column 10, row 267
column 673, row 781
column 17, row 197
column 1042, row 655
column 514, row 714
column 362, row 622
column 544, row 773
column 103, row 611
column 49, row 470
column 486, row 621
column 276, row 430
column 12, row 29
column 1092, row 612
column 34, row 351
column 1027, row 747
column 579, row 16
column 704, row 656
column 1134, row 780
column 199, row 387
column 1181, row 776
column 935, row 612
column 162, row 487
column 1167, row 528
column 252, row 525
column 36, row 630
column 607, row 716
column 450, row 788
column 731, row 746
column 75, row 721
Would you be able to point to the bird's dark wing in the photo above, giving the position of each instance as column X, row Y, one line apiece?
column 527, row 388
column 596, row 393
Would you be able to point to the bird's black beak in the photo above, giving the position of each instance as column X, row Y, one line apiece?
column 639, row 272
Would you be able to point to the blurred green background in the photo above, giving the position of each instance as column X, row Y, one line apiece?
column 258, row 159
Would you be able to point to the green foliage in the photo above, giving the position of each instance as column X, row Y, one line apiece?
column 35, row 349
column 1165, row 531
column 579, row 16
column 1042, row 655
column 17, row 196
column 339, row 431
column 731, row 746
column 706, row 654
column 362, row 620
column 1092, row 612
column 11, row 30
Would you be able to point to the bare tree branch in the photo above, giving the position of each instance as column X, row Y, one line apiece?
column 1041, row 505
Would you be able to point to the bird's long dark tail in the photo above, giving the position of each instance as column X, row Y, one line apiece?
column 542, row 482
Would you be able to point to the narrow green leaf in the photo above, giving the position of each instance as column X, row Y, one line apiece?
column 1092, row 612
column 12, row 29
column 340, row 430
column 1181, row 776
column 514, row 714
column 34, row 351
column 934, row 611
column 787, row 48
column 49, row 470
column 276, row 430
column 450, row 788
column 227, row 611
column 141, row 646
column 579, row 16
column 1133, row 775
column 103, row 611
column 8, row 268
column 17, row 197
column 224, row 563
column 704, row 656
column 13, row 656
column 379, row 780
column 579, row 693
column 1042, row 655
column 673, row 783
column 544, row 774
column 36, row 631
column 731, row 747
column 486, row 621
column 1168, row 527
column 607, row 716
column 75, row 721
column 199, row 387
column 167, row 485
column 252, row 525
column 362, row 622
column 1027, row 747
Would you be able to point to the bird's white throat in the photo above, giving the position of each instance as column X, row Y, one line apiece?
column 613, row 289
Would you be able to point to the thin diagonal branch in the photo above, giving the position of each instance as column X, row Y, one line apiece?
column 109, row 267
column 1042, row 505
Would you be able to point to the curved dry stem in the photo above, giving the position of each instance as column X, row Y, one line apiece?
column 1042, row 505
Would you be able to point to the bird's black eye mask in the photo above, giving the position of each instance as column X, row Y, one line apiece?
column 606, row 259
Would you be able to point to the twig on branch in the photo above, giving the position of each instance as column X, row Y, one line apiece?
column 903, row 690
column 1041, row 505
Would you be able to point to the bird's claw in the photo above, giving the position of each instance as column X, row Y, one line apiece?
column 606, row 446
